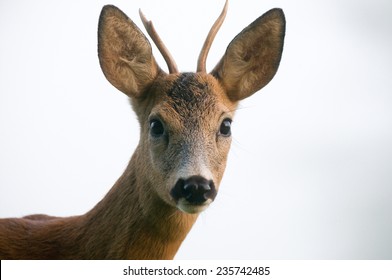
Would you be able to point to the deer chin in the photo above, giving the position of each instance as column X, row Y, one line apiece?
column 192, row 208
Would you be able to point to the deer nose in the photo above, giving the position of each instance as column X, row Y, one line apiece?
column 195, row 190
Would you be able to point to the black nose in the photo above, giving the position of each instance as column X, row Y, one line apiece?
column 195, row 190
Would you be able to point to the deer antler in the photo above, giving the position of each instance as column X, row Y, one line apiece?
column 201, row 62
column 171, row 64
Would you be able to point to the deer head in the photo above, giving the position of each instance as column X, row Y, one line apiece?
column 185, row 118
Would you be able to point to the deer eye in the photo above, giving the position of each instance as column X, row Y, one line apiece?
column 156, row 128
column 225, row 128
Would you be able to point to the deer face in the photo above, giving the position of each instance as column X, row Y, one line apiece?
column 186, row 133
column 186, row 118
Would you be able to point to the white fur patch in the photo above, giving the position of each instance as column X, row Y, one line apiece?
column 186, row 207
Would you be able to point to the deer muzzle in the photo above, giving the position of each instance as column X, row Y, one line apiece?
column 194, row 194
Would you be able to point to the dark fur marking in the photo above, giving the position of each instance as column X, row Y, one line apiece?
column 189, row 95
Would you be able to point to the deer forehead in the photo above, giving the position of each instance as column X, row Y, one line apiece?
column 192, row 100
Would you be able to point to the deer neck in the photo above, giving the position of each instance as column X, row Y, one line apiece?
column 133, row 222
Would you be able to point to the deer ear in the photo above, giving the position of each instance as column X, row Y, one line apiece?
column 252, row 58
column 125, row 54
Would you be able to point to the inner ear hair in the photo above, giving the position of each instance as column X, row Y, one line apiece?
column 125, row 54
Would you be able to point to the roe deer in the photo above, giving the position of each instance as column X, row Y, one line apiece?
column 185, row 135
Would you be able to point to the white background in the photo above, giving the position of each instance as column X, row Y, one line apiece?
column 310, row 170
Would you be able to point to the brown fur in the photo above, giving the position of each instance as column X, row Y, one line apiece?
column 138, row 218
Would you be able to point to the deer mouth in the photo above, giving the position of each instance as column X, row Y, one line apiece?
column 192, row 208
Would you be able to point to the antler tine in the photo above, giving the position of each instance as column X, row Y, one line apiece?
column 201, row 62
column 171, row 64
